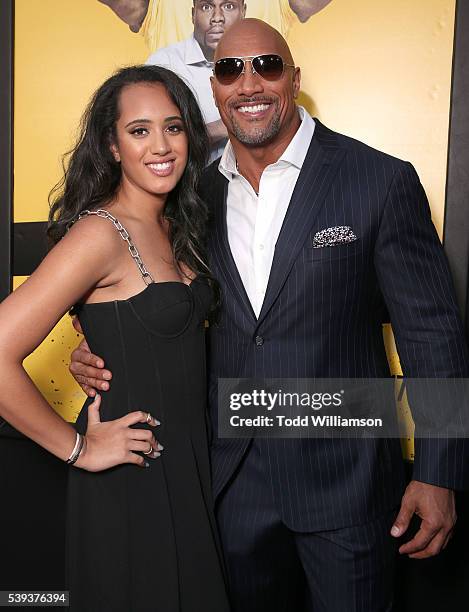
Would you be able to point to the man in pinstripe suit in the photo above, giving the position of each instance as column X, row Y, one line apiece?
column 311, row 524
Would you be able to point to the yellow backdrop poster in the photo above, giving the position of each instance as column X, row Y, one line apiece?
column 377, row 71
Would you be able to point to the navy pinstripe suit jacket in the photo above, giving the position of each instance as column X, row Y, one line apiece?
column 322, row 317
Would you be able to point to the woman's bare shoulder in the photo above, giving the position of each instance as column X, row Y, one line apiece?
column 94, row 229
column 94, row 232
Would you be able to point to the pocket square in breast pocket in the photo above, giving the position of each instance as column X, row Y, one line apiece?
column 333, row 236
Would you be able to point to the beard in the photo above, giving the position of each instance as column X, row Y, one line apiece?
column 256, row 136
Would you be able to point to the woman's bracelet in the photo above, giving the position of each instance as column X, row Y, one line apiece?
column 77, row 449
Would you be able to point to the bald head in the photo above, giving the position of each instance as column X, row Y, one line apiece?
column 252, row 37
column 258, row 111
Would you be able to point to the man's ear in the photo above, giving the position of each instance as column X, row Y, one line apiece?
column 115, row 152
column 296, row 82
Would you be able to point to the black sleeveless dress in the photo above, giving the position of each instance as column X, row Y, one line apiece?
column 145, row 539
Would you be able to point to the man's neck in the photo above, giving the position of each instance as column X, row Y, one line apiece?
column 253, row 160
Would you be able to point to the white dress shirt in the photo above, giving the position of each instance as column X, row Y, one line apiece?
column 254, row 220
column 187, row 60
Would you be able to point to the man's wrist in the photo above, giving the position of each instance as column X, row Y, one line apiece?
column 430, row 484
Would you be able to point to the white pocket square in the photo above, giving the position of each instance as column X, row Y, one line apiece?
column 333, row 236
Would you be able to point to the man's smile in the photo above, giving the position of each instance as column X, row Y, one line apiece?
column 254, row 108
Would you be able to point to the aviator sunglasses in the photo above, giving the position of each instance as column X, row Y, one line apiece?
column 269, row 66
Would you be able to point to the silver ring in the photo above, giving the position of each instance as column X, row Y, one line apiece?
column 150, row 451
column 149, row 418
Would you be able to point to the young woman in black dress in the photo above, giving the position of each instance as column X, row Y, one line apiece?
column 129, row 229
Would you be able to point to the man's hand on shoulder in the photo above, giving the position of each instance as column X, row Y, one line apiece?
column 436, row 507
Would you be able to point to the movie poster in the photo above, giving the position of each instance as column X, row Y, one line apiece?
column 377, row 71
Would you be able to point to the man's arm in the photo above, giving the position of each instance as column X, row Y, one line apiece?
column 304, row 9
column 132, row 12
column 415, row 281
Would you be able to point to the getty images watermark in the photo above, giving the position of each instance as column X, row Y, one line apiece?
column 281, row 399
column 373, row 408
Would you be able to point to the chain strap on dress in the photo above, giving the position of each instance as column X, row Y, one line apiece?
column 147, row 277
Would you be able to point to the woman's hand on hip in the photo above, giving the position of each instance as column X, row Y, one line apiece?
column 111, row 443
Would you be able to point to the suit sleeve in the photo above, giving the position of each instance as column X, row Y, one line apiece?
column 417, row 287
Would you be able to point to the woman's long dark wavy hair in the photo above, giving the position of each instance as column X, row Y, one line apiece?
column 92, row 176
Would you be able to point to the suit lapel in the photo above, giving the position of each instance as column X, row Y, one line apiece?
column 317, row 174
column 221, row 252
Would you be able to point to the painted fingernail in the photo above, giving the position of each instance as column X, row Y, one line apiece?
column 156, row 455
column 146, row 464
column 395, row 531
column 107, row 376
column 156, row 422
column 104, row 386
column 159, row 446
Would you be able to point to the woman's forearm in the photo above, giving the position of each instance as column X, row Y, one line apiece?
column 23, row 406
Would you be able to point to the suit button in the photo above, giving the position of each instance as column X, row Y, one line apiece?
column 259, row 340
